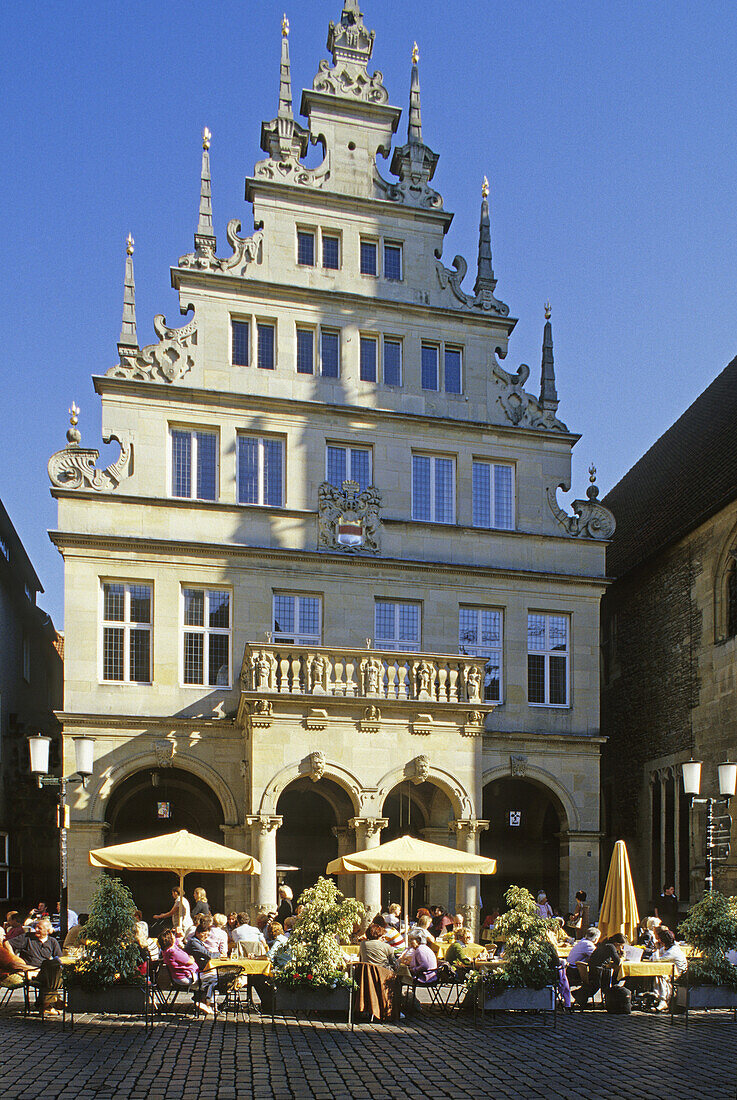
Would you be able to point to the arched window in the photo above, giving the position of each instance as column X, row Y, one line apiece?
column 732, row 600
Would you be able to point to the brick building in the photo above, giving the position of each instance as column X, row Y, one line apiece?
column 669, row 641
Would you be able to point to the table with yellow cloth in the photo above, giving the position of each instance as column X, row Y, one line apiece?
column 650, row 968
column 246, row 966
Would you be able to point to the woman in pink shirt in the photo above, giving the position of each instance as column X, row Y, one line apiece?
column 181, row 966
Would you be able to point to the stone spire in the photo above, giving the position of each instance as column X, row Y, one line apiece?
column 205, row 237
column 349, row 41
column 285, row 74
column 485, row 277
column 414, row 126
column 128, row 335
column 548, row 393
column 283, row 138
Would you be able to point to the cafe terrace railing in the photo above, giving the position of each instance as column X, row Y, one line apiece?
column 286, row 669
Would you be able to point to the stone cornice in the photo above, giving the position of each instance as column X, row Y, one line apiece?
column 105, row 721
column 288, row 405
column 500, row 739
column 74, row 540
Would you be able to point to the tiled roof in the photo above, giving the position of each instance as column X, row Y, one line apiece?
column 688, row 475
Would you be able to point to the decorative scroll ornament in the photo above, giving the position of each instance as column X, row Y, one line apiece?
column 74, row 466
column 290, row 170
column 167, row 361
column 421, row 769
column 164, row 751
column 474, row 724
column 348, row 519
column 246, row 250
column 351, row 45
column 518, row 765
column 591, row 520
column 451, row 280
column 519, row 406
column 316, row 762
column 414, row 189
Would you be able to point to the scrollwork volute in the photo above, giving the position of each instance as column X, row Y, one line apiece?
column 74, row 467
column 451, row 280
column 591, row 520
column 246, row 250
column 168, row 361
column 519, row 406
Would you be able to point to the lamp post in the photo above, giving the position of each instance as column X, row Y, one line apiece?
column 718, row 825
column 38, row 747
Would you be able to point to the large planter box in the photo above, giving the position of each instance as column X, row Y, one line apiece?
column 277, row 1001
column 123, row 1000
column 705, row 996
column 519, row 1000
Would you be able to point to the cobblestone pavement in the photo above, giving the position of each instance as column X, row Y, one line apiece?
column 590, row 1056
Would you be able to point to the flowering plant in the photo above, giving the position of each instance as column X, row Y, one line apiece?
column 711, row 927
column 530, row 960
column 327, row 918
column 110, row 953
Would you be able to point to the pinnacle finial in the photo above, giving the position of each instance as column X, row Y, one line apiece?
column 204, row 234
column 485, row 189
column 128, row 335
column 485, row 280
column 206, row 138
column 548, row 310
column 548, row 392
column 285, row 26
column 285, row 74
column 414, row 125
column 73, row 433
column 415, row 54
column 593, row 490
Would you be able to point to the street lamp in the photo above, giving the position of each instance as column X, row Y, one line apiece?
column 84, row 748
column 718, row 826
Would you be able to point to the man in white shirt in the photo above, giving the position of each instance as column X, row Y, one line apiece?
column 247, row 933
column 581, row 952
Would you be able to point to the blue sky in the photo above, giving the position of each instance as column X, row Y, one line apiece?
column 606, row 130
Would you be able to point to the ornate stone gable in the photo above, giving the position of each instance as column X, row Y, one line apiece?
column 246, row 250
column 74, row 467
column 170, row 359
column 349, row 520
column 591, row 519
column 351, row 44
column 484, row 301
column 519, row 406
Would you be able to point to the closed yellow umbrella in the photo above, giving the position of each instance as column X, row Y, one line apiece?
column 407, row 857
column 180, row 853
column 619, row 905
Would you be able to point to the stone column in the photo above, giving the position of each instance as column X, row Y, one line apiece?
column 468, row 897
column 347, row 884
column 236, row 888
column 440, row 889
column 583, row 867
column 663, row 791
column 264, row 828
column 82, row 837
column 368, row 835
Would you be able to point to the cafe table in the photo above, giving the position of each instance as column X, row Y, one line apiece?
column 246, row 966
column 649, row 968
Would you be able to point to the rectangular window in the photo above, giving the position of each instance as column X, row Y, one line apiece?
column 266, row 343
column 206, row 637
column 260, row 471
column 493, row 495
column 297, row 620
column 348, row 464
column 429, row 367
column 26, row 658
column 547, row 659
column 393, row 262
column 331, row 252
column 240, row 343
column 452, row 370
column 194, row 464
column 126, row 632
column 433, row 488
column 480, row 635
column 369, row 258
column 397, row 626
column 369, row 345
column 305, row 248
column 329, row 353
column 392, row 362
column 305, row 351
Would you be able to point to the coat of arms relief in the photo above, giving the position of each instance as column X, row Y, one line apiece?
column 348, row 518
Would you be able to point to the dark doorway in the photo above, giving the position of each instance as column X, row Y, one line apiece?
column 523, row 837
column 306, row 839
column 406, row 808
column 133, row 814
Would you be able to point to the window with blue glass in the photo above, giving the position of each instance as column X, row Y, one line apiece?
column 305, row 248
column 433, row 488
column 240, row 345
column 330, row 252
column 392, row 361
column 260, row 470
column 329, row 353
column 194, row 464
column 452, row 370
column 493, row 495
column 266, row 334
column 344, row 463
column 430, row 366
column 393, row 262
column 369, row 258
column 305, row 351
column 369, row 350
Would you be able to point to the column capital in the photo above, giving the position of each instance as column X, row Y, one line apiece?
column 371, row 825
column 470, row 825
column 265, row 823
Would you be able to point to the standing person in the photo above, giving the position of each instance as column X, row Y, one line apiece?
column 667, row 908
column 179, row 908
column 201, row 904
column 286, row 908
column 544, row 908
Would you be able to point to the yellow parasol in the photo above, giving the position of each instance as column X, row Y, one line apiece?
column 407, row 857
column 180, row 852
column 618, row 911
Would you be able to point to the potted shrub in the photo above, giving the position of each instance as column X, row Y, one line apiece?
column 315, row 979
column 105, row 976
column 529, row 976
column 710, row 981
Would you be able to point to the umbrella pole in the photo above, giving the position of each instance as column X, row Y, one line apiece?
column 406, row 912
column 181, row 898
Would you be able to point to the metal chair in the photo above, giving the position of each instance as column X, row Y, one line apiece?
column 231, row 991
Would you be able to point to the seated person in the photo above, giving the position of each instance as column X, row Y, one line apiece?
column 457, row 956
column 40, row 949
column 581, row 951
column 557, row 935
column 667, row 951
column 75, row 937
column 280, row 953
column 450, row 933
column 196, row 946
column 217, row 939
column 392, row 915
column 391, row 935
column 183, row 969
column 420, row 960
column 604, row 961
column 245, row 932
column 375, row 949
column 12, row 966
column 647, row 936
column 422, row 929
column 13, row 924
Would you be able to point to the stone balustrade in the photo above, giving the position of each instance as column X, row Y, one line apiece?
column 369, row 673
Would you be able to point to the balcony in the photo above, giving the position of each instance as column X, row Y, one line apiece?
column 284, row 669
